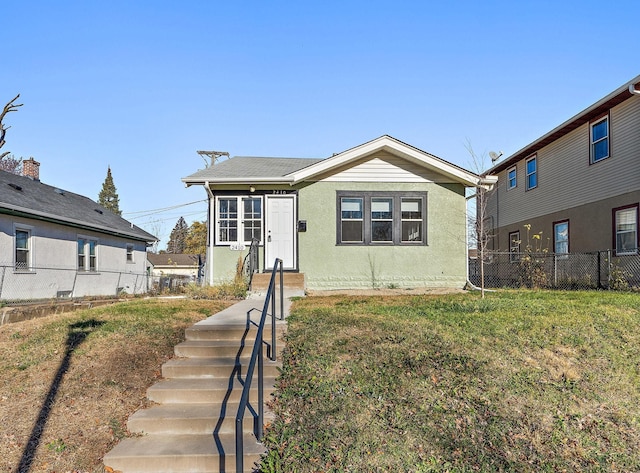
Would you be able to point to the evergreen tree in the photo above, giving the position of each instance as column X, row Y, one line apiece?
column 108, row 196
column 196, row 242
column 178, row 238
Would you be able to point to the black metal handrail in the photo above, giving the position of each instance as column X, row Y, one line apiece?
column 258, row 357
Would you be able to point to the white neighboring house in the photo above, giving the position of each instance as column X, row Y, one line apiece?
column 54, row 243
column 184, row 265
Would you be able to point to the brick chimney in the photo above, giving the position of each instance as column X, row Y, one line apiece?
column 31, row 168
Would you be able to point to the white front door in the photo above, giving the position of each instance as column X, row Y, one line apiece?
column 280, row 238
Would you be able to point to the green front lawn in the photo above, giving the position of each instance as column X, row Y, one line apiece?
column 520, row 381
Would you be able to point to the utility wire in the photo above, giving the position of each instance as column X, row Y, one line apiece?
column 146, row 213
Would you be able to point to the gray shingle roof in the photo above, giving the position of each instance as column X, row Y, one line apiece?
column 21, row 195
column 177, row 259
column 244, row 167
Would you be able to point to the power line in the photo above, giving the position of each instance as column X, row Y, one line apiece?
column 146, row 213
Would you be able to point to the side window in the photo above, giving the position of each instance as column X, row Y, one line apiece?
column 22, row 249
column 514, row 246
column 129, row 253
column 599, row 131
column 626, row 230
column 87, row 254
column 532, row 173
column 512, row 178
column 561, row 237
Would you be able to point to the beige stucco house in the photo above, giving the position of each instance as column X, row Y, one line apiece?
column 578, row 184
column 383, row 213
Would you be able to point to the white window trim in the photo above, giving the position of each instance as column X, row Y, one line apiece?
column 30, row 244
column 87, row 264
column 633, row 251
column 515, row 180
column 527, row 173
column 556, row 241
column 240, row 219
column 592, row 158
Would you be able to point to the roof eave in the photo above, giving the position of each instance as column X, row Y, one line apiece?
column 617, row 96
column 237, row 180
column 21, row 211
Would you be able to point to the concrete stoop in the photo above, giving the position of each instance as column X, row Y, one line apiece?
column 290, row 282
column 191, row 428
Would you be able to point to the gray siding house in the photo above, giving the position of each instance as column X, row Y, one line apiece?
column 54, row 243
column 381, row 214
column 579, row 184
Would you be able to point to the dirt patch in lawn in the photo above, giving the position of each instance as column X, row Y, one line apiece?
column 68, row 382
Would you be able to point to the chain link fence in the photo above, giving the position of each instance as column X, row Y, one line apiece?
column 598, row 270
column 171, row 283
column 19, row 285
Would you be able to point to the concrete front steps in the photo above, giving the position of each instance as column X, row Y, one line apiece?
column 291, row 282
column 191, row 428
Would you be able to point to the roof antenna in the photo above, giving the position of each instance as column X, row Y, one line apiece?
column 213, row 155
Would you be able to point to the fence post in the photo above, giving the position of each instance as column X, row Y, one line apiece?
column 609, row 263
column 4, row 268
column 599, row 272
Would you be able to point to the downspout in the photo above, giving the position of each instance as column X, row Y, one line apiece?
column 633, row 90
column 210, row 220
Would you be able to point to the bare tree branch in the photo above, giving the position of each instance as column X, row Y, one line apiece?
column 9, row 107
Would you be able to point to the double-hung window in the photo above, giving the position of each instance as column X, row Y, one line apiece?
column 599, row 139
column 22, row 250
column 532, row 172
column 512, row 178
column 626, row 230
column 351, row 220
column 561, row 237
column 87, row 254
column 381, row 218
column 239, row 219
column 412, row 216
column 129, row 252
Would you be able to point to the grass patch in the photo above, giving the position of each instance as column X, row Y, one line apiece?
column 520, row 381
column 99, row 362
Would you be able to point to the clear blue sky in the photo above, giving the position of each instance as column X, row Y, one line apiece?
column 141, row 85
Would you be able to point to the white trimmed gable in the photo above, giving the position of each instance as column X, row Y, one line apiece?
column 382, row 167
column 387, row 145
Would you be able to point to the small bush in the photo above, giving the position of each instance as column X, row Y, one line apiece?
column 226, row 290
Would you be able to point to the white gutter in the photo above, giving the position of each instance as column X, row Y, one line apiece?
column 633, row 90
column 210, row 219
column 239, row 180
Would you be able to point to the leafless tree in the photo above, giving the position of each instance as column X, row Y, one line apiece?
column 483, row 230
column 11, row 106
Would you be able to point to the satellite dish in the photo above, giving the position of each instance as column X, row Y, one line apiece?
column 494, row 156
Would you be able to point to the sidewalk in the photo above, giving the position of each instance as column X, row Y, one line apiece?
column 237, row 313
